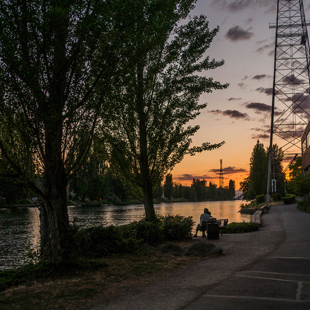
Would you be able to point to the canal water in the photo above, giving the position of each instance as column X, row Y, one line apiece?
column 19, row 227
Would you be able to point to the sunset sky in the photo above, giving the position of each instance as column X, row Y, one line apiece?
column 240, row 114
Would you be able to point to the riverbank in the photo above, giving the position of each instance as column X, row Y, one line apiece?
column 183, row 288
column 128, row 282
column 20, row 226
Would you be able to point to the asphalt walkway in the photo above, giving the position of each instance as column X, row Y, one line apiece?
column 267, row 269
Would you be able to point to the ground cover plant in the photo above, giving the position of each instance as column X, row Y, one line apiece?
column 289, row 198
column 234, row 228
column 304, row 206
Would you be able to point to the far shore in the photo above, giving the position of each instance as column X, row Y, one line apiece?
column 105, row 203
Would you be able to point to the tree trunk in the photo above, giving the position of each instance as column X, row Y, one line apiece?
column 148, row 201
column 54, row 222
column 144, row 163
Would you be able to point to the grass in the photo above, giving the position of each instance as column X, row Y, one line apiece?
column 70, row 288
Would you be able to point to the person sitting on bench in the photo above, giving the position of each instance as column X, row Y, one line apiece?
column 205, row 217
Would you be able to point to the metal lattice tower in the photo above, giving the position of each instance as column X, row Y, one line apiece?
column 290, row 97
column 221, row 182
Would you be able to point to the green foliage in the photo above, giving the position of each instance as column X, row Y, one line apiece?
column 200, row 191
column 256, row 183
column 300, row 184
column 295, row 167
column 148, row 232
column 101, row 241
column 177, row 227
column 304, row 206
column 148, row 128
column 58, row 60
column 260, row 198
column 231, row 188
column 277, row 167
column 276, row 197
column 168, row 186
column 258, row 171
column 289, row 198
column 236, row 228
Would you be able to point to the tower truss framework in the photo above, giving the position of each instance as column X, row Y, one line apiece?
column 221, row 181
column 291, row 89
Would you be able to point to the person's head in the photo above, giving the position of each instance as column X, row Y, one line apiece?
column 206, row 210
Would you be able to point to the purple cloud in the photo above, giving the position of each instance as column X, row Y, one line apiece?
column 229, row 170
column 261, row 132
column 259, row 107
column 233, row 99
column 267, row 91
column 231, row 114
column 239, row 5
column 236, row 34
column 260, row 76
column 190, row 177
column 260, row 136
column 292, row 79
column 261, row 49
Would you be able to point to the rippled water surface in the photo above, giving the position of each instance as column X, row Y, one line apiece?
column 19, row 227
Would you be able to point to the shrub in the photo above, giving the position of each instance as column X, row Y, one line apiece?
column 236, row 228
column 277, row 197
column 260, row 198
column 304, row 206
column 101, row 241
column 177, row 227
column 289, row 198
column 148, row 232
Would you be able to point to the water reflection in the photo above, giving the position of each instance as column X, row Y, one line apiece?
column 19, row 231
column 19, row 227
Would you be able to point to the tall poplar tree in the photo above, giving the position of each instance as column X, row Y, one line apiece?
column 258, row 171
column 168, row 186
column 149, row 132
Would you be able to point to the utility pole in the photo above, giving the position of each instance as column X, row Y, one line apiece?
column 290, row 93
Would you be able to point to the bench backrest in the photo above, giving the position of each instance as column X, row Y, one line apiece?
column 222, row 222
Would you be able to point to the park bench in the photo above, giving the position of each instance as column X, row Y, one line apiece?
column 222, row 223
column 265, row 208
column 213, row 227
column 256, row 217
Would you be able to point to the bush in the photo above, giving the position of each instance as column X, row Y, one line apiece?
column 260, row 198
column 236, row 228
column 148, row 232
column 177, row 227
column 277, row 197
column 100, row 241
column 289, row 198
column 304, row 206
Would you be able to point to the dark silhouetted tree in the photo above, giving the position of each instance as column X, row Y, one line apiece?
column 57, row 60
column 148, row 132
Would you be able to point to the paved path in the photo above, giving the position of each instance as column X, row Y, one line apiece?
column 268, row 269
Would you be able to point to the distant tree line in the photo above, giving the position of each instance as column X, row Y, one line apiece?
column 198, row 191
